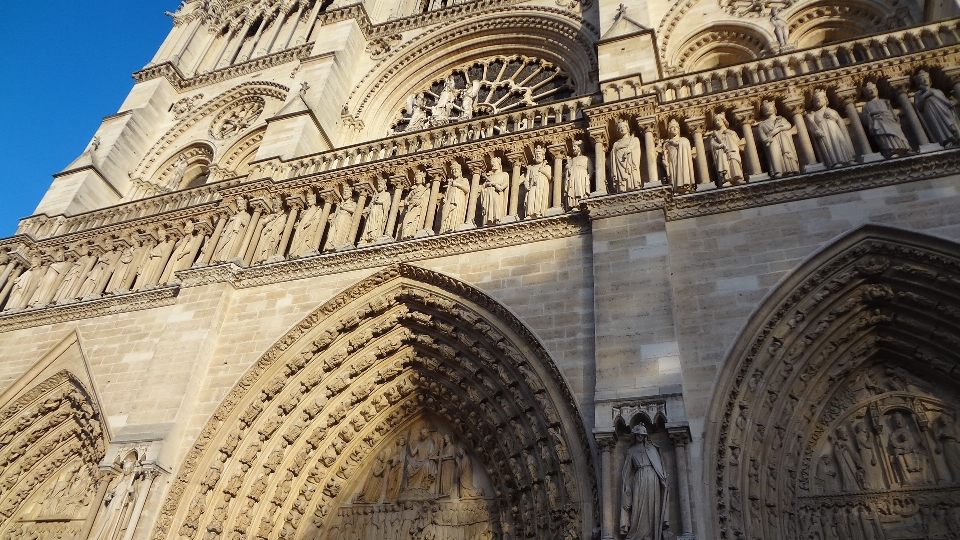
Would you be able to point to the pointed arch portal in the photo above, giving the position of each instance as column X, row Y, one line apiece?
column 837, row 414
column 410, row 403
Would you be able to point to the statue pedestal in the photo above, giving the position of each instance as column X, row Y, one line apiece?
column 508, row 219
column 554, row 211
column 813, row 167
column 467, row 227
column 423, row 233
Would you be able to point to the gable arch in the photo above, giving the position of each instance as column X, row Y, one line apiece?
column 819, row 23
column 852, row 358
column 720, row 45
column 554, row 35
column 294, row 440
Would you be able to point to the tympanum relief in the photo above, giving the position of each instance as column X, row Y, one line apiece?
column 424, row 483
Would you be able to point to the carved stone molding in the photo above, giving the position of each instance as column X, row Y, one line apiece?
column 630, row 202
column 182, row 83
column 301, row 427
column 89, row 309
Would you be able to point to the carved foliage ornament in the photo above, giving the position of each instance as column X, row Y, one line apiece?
column 754, row 8
column 842, row 414
column 483, row 88
column 237, row 117
column 401, row 405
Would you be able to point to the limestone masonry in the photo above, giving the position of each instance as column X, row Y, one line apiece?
column 500, row 269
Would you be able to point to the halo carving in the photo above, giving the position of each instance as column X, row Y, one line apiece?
column 291, row 450
column 838, row 408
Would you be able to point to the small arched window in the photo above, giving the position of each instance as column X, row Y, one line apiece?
column 187, row 168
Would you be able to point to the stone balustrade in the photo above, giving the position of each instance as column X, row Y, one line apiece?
column 546, row 162
column 795, row 63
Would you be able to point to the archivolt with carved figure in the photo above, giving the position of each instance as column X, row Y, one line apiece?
column 839, row 411
column 409, row 404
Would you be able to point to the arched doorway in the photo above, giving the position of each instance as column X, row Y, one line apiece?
column 837, row 413
column 410, row 403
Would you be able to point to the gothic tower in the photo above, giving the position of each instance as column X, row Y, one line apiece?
column 500, row 269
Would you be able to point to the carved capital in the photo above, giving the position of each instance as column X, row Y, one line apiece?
column 847, row 94
column 900, row 85
column 599, row 136
column 696, row 124
column 558, row 150
column 680, row 436
column 647, row 123
column 296, row 201
column 746, row 115
column 794, row 104
column 606, row 441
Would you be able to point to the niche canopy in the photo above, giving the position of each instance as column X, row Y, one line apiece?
column 482, row 88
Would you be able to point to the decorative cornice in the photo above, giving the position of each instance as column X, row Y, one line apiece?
column 89, row 309
column 183, row 83
column 627, row 203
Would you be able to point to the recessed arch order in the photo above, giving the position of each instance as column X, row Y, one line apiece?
column 295, row 440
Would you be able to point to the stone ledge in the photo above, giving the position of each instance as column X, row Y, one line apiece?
column 89, row 309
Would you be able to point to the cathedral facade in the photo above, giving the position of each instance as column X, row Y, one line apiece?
column 500, row 269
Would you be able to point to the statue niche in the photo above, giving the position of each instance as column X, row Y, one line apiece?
column 422, row 483
column 888, row 462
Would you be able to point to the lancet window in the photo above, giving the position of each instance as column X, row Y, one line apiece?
column 482, row 88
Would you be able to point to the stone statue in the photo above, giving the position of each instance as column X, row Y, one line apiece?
column 395, row 466
column 643, row 512
column 151, row 269
column 442, row 112
column 678, row 160
column 780, row 28
column 232, row 234
column 179, row 169
column 342, row 223
column 851, row 471
column 826, row 479
column 418, row 113
column 469, row 103
column 48, row 283
column 948, row 444
column 23, row 284
column 829, row 133
column 94, row 282
column 373, row 489
column 377, row 214
column 493, row 196
column 123, row 269
column 118, row 501
column 869, row 461
column 725, row 144
column 775, row 132
column 625, row 160
column 186, row 249
column 577, row 176
column 538, row 184
column 421, row 466
column 70, row 279
column 273, row 225
column 454, row 211
column 883, row 123
column 936, row 111
column 305, row 237
column 415, row 206
column 907, row 456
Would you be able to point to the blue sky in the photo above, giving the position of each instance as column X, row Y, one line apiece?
column 66, row 64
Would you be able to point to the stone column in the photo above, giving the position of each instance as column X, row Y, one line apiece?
column 357, row 216
column 398, row 182
column 252, row 234
column 438, row 175
column 17, row 270
column 296, row 204
column 274, row 32
column 607, row 441
column 795, row 105
column 649, row 126
column 7, row 270
column 746, row 116
column 476, row 165
column 148, row 476
column 680, row 438
column 559, row 152
column 901, row 87
column 300, row 14
column 696, row 125
column 212, row 241
column 227, row 39
column 953, row 73
column 848, row 96
column 517, row 160
column 103, row 485
column 599, row 136
column 324, row 217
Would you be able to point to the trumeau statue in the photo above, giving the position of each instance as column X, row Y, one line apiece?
column 454, row 210
column 377, row 214
column 883, row 123
column 493, row 195
column 776, row 135
column 725, row 145
column 678, row 160
column 538, row 184
column 625, row 160
column 577, row 176
column 829, row 133
column 643, row 512
column 415, row 206
column 936, row 111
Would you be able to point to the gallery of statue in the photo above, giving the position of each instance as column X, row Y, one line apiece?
column 500, row 270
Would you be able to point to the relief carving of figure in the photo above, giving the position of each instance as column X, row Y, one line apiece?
column 273, row 225
column 775, row 133
column 829, row 133
column 678, row 160
column 468, row 488
column 947, row 437
column 118, row 501
column 643, row 511
column 577, row 176
column 378, row 213
column 936, row 111
column 415, row 206
column 625, row 160
column 232, row 233
column 66, row 493
column 907, row 455
column 493, row 196
column 454, row 211
column 421, row 465
column 851, row 473
column 395, row 466
column 538, row 184
column 342, row 223
column 305, row 237
column 725, row 144
column 869, row 460
column 883, row 123
column 826, row 481
column 373, row 489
